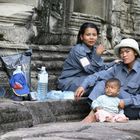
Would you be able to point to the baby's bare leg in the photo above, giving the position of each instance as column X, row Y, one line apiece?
column 89, row 118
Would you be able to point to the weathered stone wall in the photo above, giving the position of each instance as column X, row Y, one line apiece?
column 16, row 24
column 124, row 19
column 50, row 28
column 90, row 7
column 117, row 19
column 26, row 2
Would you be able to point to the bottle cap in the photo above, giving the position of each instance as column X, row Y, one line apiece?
column 43, row 68
column 18, row 67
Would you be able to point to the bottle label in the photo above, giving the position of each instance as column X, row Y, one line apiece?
column 43, row 78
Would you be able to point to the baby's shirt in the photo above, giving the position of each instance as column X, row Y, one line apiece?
column 107, row 103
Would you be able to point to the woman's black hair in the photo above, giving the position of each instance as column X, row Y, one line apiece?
column 83, row 27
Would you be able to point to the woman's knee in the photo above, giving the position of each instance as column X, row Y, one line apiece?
column 132, row 113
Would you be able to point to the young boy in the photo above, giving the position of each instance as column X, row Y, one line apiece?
column 108, row 107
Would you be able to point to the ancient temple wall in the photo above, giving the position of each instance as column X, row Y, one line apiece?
column 121, row 18
column 61, row 19
column 92, row 7
column 26, row 2
column 50, row 27
column 125, row 19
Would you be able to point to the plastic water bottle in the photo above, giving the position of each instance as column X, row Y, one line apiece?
column 42, row 88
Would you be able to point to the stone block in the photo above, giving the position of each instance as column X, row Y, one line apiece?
column 13, row 115
column 26, row 114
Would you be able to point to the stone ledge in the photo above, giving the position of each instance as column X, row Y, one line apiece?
column 29, row 113
column 24, row 2
column 77, row 131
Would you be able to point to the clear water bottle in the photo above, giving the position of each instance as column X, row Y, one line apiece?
column 42, row 88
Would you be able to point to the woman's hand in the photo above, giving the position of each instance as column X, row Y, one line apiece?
column 121, row 104
column 79, row 92
column 100, row 49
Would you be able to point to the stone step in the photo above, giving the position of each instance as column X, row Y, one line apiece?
column 9, row 13
column 25, row 2
column 26, row 114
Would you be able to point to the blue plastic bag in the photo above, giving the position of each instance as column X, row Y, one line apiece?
column 58, row 95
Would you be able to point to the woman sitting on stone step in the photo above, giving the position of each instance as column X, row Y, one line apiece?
column 84, row 59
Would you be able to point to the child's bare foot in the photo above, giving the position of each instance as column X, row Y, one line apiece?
column 90, row 118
